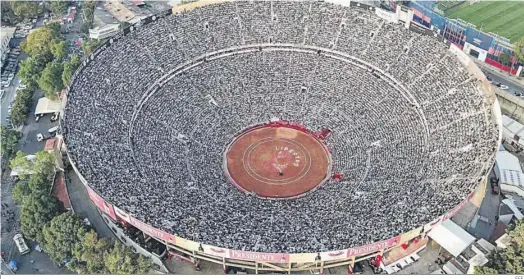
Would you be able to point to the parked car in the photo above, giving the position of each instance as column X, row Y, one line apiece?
column 504, row 87
column 20, row 244
column 495, row 188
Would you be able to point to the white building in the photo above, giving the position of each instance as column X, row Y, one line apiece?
column 509, row 172
column 512, row 132
column 6, row 36
column 105, row 25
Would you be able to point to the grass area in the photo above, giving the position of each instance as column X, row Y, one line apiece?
column 505, row 18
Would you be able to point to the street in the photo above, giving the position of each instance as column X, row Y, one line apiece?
column 34, row 262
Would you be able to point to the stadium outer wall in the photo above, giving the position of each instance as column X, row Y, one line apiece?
column 283, row 262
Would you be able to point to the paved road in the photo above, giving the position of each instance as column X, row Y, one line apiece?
column 487, row 213
column 83, row 206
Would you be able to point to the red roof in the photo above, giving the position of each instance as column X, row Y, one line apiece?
column 50, row 144
column 60, row 191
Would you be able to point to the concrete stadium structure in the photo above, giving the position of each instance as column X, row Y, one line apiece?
column 415, row 148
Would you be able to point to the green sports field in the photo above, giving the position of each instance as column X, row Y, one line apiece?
column 505, row 18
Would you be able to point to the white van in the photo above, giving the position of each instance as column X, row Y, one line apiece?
column 20, row 243
column 53, row 130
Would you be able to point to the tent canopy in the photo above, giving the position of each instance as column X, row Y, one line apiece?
column 451, row 237
column 46, row 105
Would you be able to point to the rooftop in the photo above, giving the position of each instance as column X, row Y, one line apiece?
column 102, row 18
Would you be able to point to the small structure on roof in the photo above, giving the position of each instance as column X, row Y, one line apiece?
column 46, row 105
column 50, row 145
column 503, row 241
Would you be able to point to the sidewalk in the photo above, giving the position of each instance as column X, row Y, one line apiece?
column 500, row 73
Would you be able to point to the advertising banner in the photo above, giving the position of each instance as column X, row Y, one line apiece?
column 373, row 247
column 101, row 203
column 215, row 251
column 334, row 255
column 150, row 230
column 121, row 214
column 186, row 244
column 478, row 39
column 259, row 257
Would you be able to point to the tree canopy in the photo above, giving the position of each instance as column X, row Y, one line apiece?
column 42, row 164
column 51, row 79
column 505, row 58
column 121, row 260
column 59, row 49
column 37, row 210
column 89, row 254
column 65, row 232
column 25, row 9
column 8, row 141
column 41, row 41
column 519, row 50
column 30, row 70
column 21, row 190
column 67, row 73
column 22, row 163
column 509, row 260
column 59, row 7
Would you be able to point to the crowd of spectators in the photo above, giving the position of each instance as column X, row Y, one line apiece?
column 148, row 120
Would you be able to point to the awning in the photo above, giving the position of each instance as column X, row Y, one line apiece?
column 513, row 208
column 46, row 105
column 451, row 237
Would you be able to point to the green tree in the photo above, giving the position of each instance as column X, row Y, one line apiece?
column 56, row 30
column 45, row 163
column 509, row 260
column 121, row 260
column 90, row 46
column 89, row 254
column 25, row 9
column 59, row 49
column 519, row 50
column 21, row 163
column 21, row 191
column 42, row 164
column 37, row 211
column 39, row 182
column 7, row 12
column 75, row 61
column 38, row 44
column 65, row 232
column 505, row 58
column 30, row 71
column 51, row 79
column 67, row 74
column 21, row 106
column 59, row 7
column 8, row 141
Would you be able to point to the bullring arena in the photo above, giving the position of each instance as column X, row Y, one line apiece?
column 280, row 136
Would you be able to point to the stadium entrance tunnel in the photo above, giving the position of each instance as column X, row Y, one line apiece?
column 277, row 161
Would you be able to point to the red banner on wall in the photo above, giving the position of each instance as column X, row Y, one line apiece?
column 373, row 247
column 259, row 257
column 150, row 230
column 101, row 203
column 333, row 255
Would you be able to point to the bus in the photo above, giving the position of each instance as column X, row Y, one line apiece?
column 20, row 243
